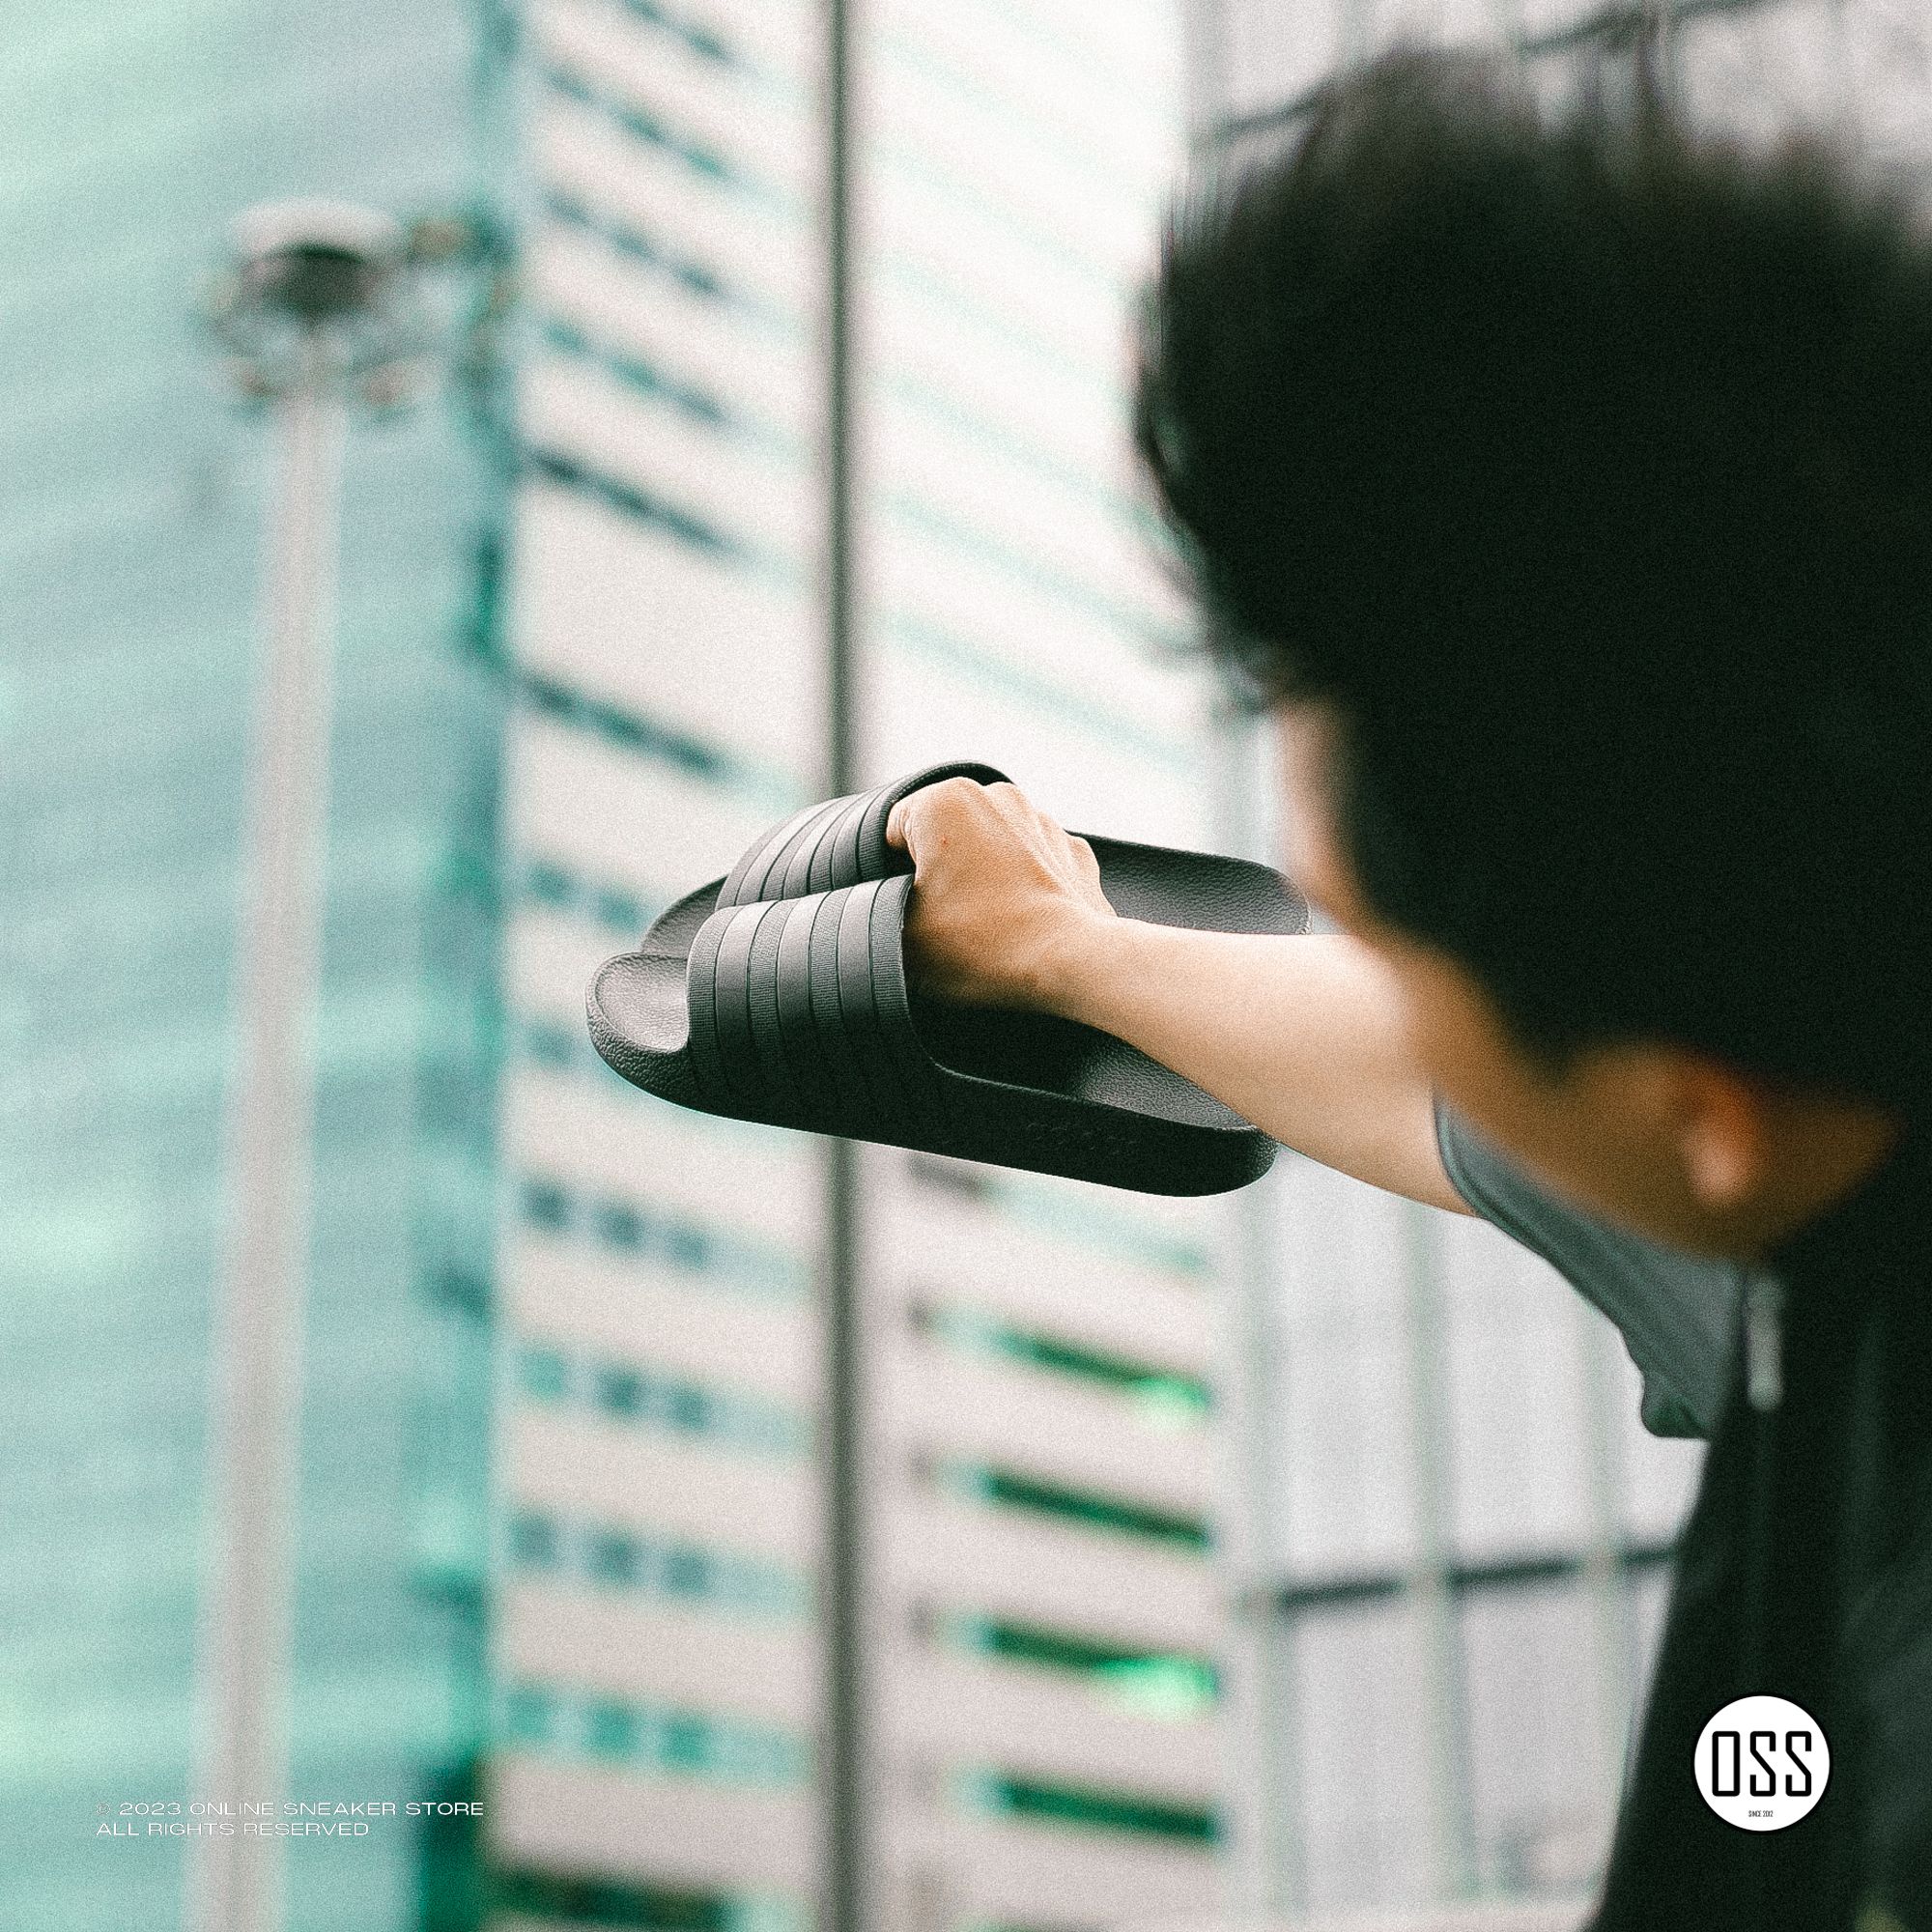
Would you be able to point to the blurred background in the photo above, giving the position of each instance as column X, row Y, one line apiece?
column 1295, row 1555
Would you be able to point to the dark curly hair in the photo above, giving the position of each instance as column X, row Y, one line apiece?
column 1583, row 468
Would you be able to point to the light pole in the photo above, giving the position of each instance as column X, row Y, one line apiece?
column 317, row 310
column 848, row 1774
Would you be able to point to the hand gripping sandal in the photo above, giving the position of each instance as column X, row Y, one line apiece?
column 778, row 994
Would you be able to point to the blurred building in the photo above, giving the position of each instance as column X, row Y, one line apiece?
column 131, row 528
column 1042, row 1614
column 579, row 666
column 1455, row 1546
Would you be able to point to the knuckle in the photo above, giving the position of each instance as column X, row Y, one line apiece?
column 950, row 795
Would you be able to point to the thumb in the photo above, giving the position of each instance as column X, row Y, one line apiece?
column 896, row 826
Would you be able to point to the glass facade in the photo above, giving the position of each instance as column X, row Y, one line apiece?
column 131, row 516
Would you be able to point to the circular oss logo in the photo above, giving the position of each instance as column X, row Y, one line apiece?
column 1762, row 1763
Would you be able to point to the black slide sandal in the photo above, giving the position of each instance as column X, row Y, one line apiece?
column 731, row 1004
column 761, row 994
column 828, row 1015
column 858, row 1026
column 700, row 985
column 819, row 878
column 778, row 994
column 812, row 1073
column 745, row 882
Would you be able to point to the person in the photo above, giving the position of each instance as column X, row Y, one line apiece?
column 1561, row 484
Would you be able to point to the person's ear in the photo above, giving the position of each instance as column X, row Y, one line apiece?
column 1723, row 1131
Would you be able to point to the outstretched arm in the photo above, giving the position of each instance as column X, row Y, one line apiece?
column 1302, row 1037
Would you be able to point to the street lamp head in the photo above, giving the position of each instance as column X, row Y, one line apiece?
column 317, row 259
column 321, row 294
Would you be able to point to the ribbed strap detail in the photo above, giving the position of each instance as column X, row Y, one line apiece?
column 800, row 1006
column 838, row 844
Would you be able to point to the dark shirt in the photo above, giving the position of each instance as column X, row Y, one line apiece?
column 1806, row 1568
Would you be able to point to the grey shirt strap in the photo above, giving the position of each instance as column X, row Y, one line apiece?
column 1678, row 1313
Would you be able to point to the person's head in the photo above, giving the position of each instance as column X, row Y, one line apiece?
column 1566, row 487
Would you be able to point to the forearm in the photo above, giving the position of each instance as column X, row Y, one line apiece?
column 1301, row 1037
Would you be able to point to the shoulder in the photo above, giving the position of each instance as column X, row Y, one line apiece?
column 1677, row 1311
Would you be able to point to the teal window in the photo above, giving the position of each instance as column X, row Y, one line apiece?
column 686, row 1573
column 687, row 1247
column 548, row 1045
column 536, row 1542
column 689, row 1410
column 685, row 1743
column 529, row 1714
column 619, row 910
column 546, row 1205
column 545, row 1375
column 548, row 885
column 621, row 1391
column 619, row 1225
column 611, row 1730
column 614, row 1556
